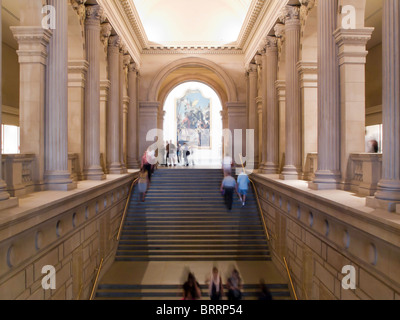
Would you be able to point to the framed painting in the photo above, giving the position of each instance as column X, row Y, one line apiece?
column 193, row 119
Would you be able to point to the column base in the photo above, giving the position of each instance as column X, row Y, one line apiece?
column 290, row 173
column 9, row 203
column 326, row 180
column 94, row 174
column 387, row 205
column 270, row 169
column 115, row 168
column 133, row 164
column 59, row 182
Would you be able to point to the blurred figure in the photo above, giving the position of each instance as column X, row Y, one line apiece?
column 228, row 186
column 143, row 183
column 243, row 186
column 186, row 154
column 191, row 288
column 146, row 165
column 215, row 287
column 265, row 294
column 227, row 165
column 167, row 148
column 179, row 153
column 162, row 155
column 235, row 286
column 373, row 146
column 172, row 154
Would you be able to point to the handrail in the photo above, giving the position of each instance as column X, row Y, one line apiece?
column 290, row 278
column 258, row 200
column 125, row 210
column 97, row 279
column 80, row 291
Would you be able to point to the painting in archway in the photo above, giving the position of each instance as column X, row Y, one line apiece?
column 193, row 116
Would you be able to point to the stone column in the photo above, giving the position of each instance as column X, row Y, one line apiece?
column 32, row 57
column 126, row 100
column 272, row 123
column 292, row 168
column 352, row 59
column 263, row 98
column 57, row 176
column 328, row 175
column 122, row 86
column 388, row 194
column 113, row 112
column 92, row 167
column 252, row 120
column 259, row 106
column 132, row 157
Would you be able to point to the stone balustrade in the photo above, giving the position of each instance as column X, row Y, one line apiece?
column 366, row 172
column 71, row 232
column 320, row 233
column 18, row 173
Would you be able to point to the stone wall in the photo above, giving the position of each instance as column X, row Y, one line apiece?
column 72, row 233
column 320, row 233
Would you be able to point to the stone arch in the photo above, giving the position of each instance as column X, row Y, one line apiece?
column 230, row 87
column 192, row 77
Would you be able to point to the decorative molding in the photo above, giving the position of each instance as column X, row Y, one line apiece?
column 105, row 34
column 252, row 16
column 80, row 9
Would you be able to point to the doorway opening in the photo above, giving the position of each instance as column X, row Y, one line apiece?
column 193, row 121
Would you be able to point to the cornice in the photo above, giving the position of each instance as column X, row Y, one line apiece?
column 252, row 16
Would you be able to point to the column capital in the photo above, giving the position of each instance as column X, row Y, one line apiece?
column 105, row 33
column 32, row 42
column 127, row 61
column 80, row 8
column 290, row 16
column 252, row 69
column 93, row 14
column 132, row 67
column 280, row 32
column 352, row 45
column 271, row 43
column 258, row 60
column 114, row 41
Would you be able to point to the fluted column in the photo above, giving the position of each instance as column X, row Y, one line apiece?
column 389, row 187
column 126, row 100
column 292, row 169
column 263, row 97
column 132, row 158
column 92, row 167
column 113, row 111
column 57, row 176
column 122, row 86
column 272, row 124
column 253, row 121
column 328, row 175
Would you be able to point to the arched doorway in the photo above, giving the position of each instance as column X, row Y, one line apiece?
column 192, row 119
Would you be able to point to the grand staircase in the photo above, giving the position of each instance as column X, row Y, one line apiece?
column 184, row 218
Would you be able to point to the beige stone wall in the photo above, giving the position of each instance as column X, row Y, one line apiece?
column 373, row 93
column 319, row 236
column 72, row 233
column 152, row 64
column 10, row 80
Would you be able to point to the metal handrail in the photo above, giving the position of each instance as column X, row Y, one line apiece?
column 290, row 278
column 97, row 279
column 125, row 210
column 258, row 200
